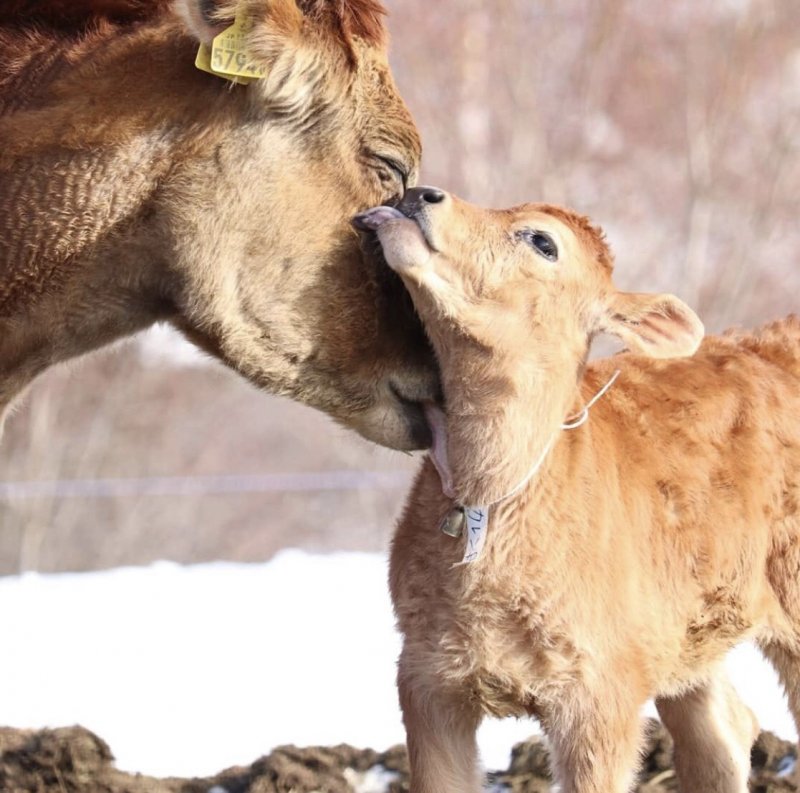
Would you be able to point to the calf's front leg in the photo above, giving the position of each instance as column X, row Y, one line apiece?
column 595, row 741
column 440, row 735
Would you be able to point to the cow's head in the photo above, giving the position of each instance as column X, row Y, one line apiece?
column 272, row 277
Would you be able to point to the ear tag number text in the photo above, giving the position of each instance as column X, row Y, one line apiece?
column 229, row 54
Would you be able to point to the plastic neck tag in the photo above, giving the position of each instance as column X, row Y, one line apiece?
column 476, row 519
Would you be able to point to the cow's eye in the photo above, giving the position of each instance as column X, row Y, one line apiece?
column 541, row 242
column 392, row 172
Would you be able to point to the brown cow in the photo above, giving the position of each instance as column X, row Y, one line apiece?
column 625, row 549
column 136, row 188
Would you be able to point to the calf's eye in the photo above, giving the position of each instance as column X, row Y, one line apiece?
column 541, row 242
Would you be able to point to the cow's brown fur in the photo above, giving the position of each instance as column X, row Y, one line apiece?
column 353, row 18
column 76, row 14
column 136, row 188
column 655, row 537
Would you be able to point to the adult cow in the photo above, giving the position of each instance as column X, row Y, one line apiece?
column 136, row 188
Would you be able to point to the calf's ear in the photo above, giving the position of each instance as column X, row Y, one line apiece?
column 660, row 326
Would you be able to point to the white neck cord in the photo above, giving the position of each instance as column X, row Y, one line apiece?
column 573, row 422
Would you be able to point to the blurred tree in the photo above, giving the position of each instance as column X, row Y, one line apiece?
column 675, row 125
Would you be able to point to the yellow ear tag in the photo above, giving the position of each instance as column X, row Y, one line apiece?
column 203, row 62
column 203, row 59
column 229, row 55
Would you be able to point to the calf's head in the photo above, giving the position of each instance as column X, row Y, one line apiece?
column 511, row 300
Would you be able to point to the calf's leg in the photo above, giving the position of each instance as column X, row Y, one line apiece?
column 440, row 735
column 595, row 742
column 713, row 731
column 786, row 660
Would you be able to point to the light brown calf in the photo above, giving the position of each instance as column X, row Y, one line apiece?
column 650, row 540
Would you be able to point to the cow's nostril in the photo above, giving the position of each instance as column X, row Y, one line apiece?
column 417, row 198
column 432, row 195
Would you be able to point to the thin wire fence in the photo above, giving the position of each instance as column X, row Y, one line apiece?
column 119, row 487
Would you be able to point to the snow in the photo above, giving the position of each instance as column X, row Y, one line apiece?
column 188, row 670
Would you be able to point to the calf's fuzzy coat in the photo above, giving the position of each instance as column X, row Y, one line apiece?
column 652, row 539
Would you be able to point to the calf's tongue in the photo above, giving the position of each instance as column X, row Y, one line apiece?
column 374, row 218
column 437, row 420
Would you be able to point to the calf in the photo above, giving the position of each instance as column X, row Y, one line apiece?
column 601, row 556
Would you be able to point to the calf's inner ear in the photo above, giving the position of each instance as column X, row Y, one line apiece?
column 660, row 326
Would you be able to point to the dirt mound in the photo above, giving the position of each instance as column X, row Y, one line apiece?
column 73, row 760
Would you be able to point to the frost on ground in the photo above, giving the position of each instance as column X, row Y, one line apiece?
column 187, row 670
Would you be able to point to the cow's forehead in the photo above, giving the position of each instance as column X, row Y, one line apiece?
column 388, row 124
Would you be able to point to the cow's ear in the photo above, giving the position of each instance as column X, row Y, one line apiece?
column 305, row 29
column 346, row 19
column 351, row 19
column 661, row 326
column 204, row 19
column 273, row 29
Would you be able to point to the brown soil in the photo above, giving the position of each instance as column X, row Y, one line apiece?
column 73, row 760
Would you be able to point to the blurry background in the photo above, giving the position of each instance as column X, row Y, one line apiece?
column 675, row 125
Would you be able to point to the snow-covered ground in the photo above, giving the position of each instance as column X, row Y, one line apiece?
column 187, row 670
